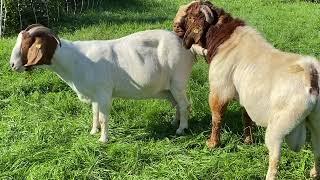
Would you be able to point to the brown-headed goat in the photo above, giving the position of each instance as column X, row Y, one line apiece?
column 279, row 90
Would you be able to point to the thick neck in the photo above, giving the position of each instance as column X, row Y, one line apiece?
column 219, row 33
column 67, row 59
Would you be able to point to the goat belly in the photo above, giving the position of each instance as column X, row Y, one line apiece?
column 134, row 90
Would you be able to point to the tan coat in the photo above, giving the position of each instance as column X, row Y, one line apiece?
column 278, row 90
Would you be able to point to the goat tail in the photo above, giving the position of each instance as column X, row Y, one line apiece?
column 314, row 80
column 311, row 68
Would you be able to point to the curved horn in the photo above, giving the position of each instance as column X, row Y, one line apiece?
column 207, row 13
column 41, row 30
column 32, row 26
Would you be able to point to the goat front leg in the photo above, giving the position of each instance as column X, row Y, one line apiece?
column 95, row 120
column 104, row 105
column 248, row 125
column 174, row 104
column 183, row 108
column 217, row 110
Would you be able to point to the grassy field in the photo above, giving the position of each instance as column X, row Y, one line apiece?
column 44, row 128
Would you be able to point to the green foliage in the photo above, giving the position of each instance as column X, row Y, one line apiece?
column 44, row 128
column 21, row 13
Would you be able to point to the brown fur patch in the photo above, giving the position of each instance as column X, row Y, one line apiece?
column 195, row 26
column 219, row 33
column 26, row 43
column 217, row 109
column 209, row 36
column 314, row 78
column 37, row 50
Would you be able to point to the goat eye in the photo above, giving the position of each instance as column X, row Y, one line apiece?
column 38, row 46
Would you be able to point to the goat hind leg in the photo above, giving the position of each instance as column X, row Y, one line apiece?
column 280, row 126
column 274, row 138
column 174, row 104
column 104, row 111
column 314, row 127
column 182, row 109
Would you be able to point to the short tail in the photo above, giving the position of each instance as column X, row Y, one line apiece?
column 314, row 80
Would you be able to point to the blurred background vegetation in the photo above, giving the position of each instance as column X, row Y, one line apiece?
column 15, row 15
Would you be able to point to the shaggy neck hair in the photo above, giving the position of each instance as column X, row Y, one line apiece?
column 219, row 33
column 215, row 33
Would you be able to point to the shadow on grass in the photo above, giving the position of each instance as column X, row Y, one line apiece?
column 160, row 127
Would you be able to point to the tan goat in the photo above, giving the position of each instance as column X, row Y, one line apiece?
column 279, row 90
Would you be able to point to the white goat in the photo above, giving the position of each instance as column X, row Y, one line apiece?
column 149, row 64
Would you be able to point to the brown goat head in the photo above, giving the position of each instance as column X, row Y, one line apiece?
column 193, row 20
column 38, row 45
column 204, row 24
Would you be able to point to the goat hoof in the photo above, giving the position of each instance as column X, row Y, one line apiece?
column 103, row 139
column 212, row 145
column 314, row 174
column 180, row 131
column 248, row 140
column 94, row 131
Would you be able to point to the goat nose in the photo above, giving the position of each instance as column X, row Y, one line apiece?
column 12, row 64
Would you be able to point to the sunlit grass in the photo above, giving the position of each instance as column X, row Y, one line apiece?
column 44, row 128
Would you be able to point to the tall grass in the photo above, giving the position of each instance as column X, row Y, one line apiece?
column 44, row 128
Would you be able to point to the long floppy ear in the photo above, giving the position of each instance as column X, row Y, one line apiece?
column 42, row 50
column 35, row 53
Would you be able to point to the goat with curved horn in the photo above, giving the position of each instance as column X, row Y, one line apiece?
column 207, row 13
column 232, row 47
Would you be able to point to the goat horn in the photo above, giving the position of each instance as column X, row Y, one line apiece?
column 207, row 13
column 41, row 30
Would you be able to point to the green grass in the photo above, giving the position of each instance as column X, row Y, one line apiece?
column 44, row 128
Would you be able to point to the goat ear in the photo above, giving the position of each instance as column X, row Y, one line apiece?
column 35, row 54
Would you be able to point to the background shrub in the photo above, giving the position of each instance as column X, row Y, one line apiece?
column 21, row 13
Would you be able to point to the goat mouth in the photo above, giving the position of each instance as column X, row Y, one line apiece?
column 18, row 69
column 28, row 68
